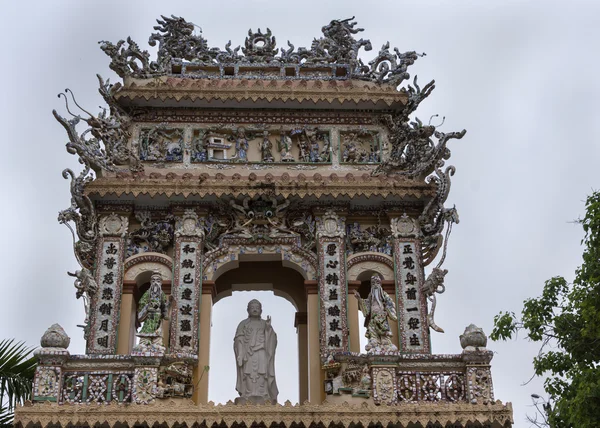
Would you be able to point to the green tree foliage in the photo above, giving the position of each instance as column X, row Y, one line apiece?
column 17, row 368
column 565, row 320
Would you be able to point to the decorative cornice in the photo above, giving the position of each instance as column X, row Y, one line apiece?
column 181, row 89
column 175, row 412
column 252, row 185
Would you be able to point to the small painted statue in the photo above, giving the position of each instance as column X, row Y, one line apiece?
column 326, row 152
column 304, row 148
column 241, row 145
column 200, row 152
column 314, row 148
column 266, row 148
column 154, row 310
column 377, row 308
column 285, row 148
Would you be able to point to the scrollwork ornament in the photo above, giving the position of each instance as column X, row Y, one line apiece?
column 405, row 227
column 145, row 384
column 330, row 225
column 189, row 224
column 113, row 225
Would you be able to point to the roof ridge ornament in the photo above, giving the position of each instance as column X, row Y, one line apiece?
column 337, row 48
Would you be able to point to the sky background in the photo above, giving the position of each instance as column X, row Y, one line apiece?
column 520, row 76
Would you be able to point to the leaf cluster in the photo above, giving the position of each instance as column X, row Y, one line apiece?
column 565, row 320
column 17, row 368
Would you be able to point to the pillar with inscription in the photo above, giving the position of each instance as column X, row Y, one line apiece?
column 106, row 301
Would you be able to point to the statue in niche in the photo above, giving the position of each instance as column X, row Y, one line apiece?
column 254, row 346
column 327, row 149
column 241, row 145
column 198, row 144
column 353, row 151
column 314, row 148
column 285, row 147
column 266, row 148
column 303, row 147
column 377, row 308
column 154, row 308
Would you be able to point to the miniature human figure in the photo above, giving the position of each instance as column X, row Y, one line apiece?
column 266, row 148
column 377, row 308
column 314, row 148
column 254, row 346
column 241, row 145
column 285, row 147
column 154, row 310
column 303, row 147
column 326, row 152
column 200, row 152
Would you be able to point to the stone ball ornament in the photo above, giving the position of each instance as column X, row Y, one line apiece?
column 55, row 337
column 473, row 338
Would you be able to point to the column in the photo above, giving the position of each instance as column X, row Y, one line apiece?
column 300, row 322
column 200, row 374
column 413, row 330
column 353, row 324
column 126, row 320
column 316, row 390
column 106, row 301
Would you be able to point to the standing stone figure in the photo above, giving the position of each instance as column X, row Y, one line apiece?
column 153, row 310
column 254, row 346
column 377, row 308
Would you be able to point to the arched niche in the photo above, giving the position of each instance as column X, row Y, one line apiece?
column 262, row 275
column 136, row 277
column 281, row 269
column 361, row 266
column 139, row 267
column 228, row 257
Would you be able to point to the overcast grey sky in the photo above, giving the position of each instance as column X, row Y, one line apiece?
column 520, row 76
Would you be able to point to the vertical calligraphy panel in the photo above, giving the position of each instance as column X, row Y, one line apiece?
column 186, row 284
column 332, row 284
column 106, row 302
column 412, row 304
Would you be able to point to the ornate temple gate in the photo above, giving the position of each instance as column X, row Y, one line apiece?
column 307, row 160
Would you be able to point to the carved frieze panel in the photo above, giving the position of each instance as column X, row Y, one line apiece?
column 362, row 238
column 479, row 384
column 259, row 144
column 384, row 385
column 144, row 384
column 161, row 144
column 360, row 147
column 433, row 387
column 153, row 234
column 96, row 387
column 412, row 304
column 106, row 302
column 46, row 383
